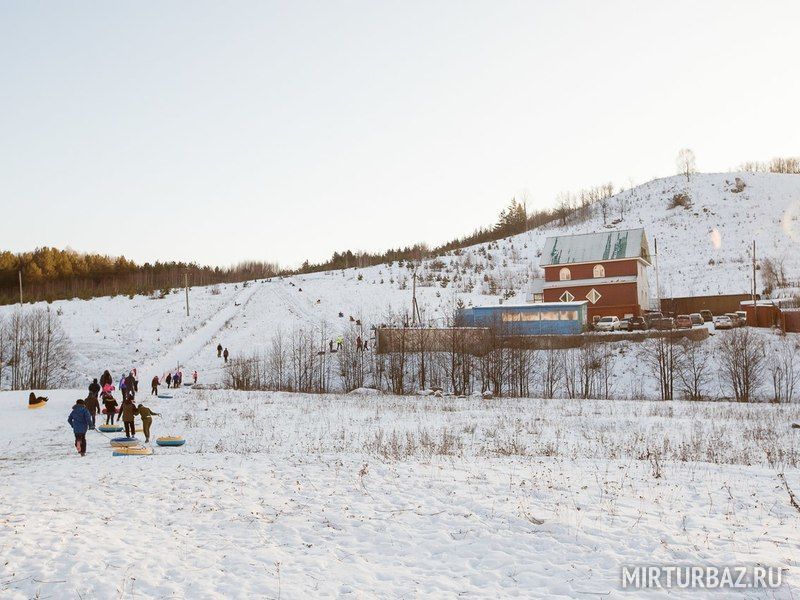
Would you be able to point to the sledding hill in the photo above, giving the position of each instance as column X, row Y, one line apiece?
column 704, row 229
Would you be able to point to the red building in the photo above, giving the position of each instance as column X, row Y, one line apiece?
column 609, row 269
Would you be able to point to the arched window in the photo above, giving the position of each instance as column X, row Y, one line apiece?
column 599, row 271
column 564, row 274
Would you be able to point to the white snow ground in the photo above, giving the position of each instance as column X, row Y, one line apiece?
column 365, row 496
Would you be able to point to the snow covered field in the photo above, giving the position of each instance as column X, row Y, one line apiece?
column 296, row 496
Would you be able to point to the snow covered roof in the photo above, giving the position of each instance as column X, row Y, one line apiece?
column 594, row 247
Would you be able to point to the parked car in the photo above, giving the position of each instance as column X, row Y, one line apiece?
column 663, row 324
column 736, row 320
column 683, row 322
column 707, row 315
column 742, row 316
column 637, row 324
column 650, row 317
column 697, row 319
column 607, row 324
column 723, row 322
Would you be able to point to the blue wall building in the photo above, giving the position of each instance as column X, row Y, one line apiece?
column 543, row 318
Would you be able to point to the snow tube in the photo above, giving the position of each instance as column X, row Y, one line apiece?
column 170, row 440
column 165, row 396
column 125, row 442
column 116, row 412
column 37, row 405
column 133, row 451
column 109, row 428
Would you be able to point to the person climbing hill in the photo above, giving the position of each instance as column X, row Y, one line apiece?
column 154, row 385
column 94, row 389
column 129, row 412
column 92, row 404
column 81, row 422
column 169, row 379
column 225, row 355
column 219, row 350
column 105, row 378
column 130, row 384
column 147, row 420
column 194, row 377
column 110, row 403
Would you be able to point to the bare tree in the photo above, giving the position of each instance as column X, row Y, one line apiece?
column 694, row 371
column 551, row 372
column 783, row 370
column 685, row 162
column 742, row 363
column 660, row 355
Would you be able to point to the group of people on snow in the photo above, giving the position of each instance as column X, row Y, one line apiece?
column 222, row 353
column 84, row 413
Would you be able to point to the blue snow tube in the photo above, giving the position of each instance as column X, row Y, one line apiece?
column 109, row 428
column 124, row 442
column 170, row 440
column 165, row 396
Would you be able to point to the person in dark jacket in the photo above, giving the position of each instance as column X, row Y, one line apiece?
column 128, row 412
column 219, row 350
column 169, row 379
column 94, row 389
column 147, row 420
column 81, row 422
column 154, row 386
column 34, row 399
column 225, row 355
column 92, row 404
column 130, row 384
column 105, row 378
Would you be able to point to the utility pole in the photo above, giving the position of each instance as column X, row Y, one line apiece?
column 186, row 285
column 20, row 287
column 415, row 316
column 755, row 311
column 658, row 290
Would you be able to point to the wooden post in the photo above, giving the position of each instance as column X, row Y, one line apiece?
column 20, row 287
column 755, row 308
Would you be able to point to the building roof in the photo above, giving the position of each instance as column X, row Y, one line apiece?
column 534, row 305
column 595, row 247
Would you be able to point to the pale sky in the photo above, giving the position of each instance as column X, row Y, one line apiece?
column 224, row 131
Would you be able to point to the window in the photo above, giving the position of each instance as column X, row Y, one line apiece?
column 566, row 297
column 564, row 274
column 569, row 315
column 599, row 271
column 530, row 316
column 550, row 315
column 593, row 296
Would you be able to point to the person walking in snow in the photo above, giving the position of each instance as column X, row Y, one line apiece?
column 339, row 342
column 225, row 355
column 130, row 384
column 92, row 404
column 358, row 343
column 110, row 403
column 147, row 420
column 330, row 345
column 81, row 422
column 219, row 350
column 169, row 379
column 122, row 390
column 94, row 389
column 194, row 377
column 154, row 385
column 135, row 381
column 129, row 412
column 105, row 378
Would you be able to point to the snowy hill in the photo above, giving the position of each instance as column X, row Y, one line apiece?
column 703, row 249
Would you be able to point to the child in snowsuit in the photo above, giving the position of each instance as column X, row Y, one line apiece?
column 81, row 422
column 147, row 420
column 129, row 411
column 109, row 403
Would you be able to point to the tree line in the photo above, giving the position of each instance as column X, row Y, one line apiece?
column 52, row 274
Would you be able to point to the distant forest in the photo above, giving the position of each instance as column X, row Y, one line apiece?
column 51, row 274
